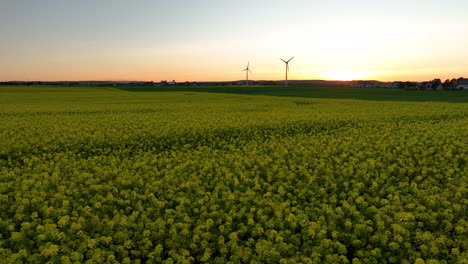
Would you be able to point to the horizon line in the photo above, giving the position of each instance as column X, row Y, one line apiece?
column 322, row 80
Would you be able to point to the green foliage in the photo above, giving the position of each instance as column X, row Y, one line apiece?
column 118, row 177
column 380, row 94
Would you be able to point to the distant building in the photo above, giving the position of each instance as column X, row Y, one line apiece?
column 365, row 84
column 462, row 84
column 430, row 86
column 452, row 86
column 427, row 86
column 398, row 85
column 405, row 85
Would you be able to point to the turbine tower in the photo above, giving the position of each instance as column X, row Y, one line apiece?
column 287, row 68
column 247, row 70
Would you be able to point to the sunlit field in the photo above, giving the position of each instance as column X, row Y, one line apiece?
column 232, row 175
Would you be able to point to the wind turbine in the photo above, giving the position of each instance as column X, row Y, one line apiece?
column 247, row 70
column 287, row 68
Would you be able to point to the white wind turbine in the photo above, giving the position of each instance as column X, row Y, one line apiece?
column 287, row 68
column 247, row 70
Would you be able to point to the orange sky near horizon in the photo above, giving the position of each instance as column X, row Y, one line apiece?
column 213, row 41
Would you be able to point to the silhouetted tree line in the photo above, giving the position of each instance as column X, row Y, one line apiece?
column 435, row 84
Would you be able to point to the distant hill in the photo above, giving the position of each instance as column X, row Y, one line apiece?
column 204, row 83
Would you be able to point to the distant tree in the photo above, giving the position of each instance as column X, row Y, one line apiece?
column 400, row 85
column 446, row 83
column 410, row 85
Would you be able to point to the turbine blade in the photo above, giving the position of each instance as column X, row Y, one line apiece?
column 291, row 58
column 283, row 60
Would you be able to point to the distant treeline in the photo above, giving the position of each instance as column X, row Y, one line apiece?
column 187, row 83
column 436, row 84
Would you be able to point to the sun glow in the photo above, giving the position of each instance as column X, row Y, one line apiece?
column 344, row 75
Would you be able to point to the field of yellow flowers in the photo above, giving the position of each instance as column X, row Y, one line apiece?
column 100, row 175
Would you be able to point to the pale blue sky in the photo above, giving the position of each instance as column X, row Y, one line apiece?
column 212, row 40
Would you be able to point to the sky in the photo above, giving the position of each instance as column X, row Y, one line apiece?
column 213, row 40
